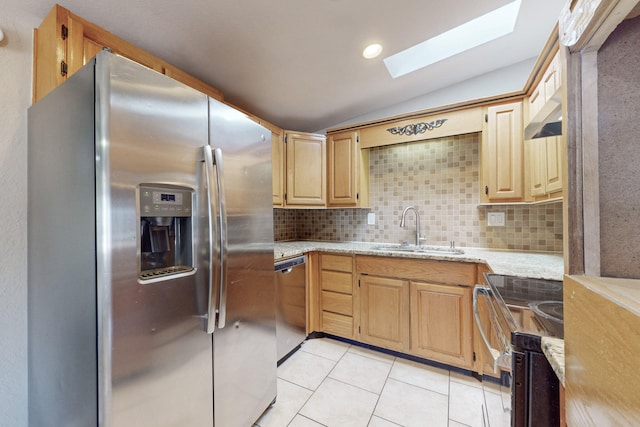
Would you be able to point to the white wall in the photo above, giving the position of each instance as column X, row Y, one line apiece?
column 15, row 98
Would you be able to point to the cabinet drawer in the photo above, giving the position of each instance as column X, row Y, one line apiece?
column 337, row 324
column 337, row 262
column 337, row 282
column 451, row 273
column 337, row 303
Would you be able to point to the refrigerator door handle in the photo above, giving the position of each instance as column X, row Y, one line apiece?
column 214, row 257
column 222, row 206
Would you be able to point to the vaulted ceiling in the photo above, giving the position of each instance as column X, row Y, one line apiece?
column 298, row 63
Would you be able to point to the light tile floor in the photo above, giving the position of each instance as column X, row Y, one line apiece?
column 334, row 384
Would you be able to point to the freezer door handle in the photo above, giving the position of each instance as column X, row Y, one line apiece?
column 214, row 245
column 222, row 225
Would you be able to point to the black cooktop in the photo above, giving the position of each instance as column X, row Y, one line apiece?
column 542, row 296
column 521, row 291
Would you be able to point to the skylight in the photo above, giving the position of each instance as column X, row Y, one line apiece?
column 476, row 32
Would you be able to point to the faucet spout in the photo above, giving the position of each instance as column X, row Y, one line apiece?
column 402, row 221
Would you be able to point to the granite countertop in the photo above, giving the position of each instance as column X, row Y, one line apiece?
column 553, row 349
column 541, row 265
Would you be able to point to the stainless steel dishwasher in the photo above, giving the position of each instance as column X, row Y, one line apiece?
column 290, row 305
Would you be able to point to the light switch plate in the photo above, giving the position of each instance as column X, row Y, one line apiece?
column 371, row 218
column 495, row 219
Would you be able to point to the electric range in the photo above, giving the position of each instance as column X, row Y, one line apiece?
column 538, row 303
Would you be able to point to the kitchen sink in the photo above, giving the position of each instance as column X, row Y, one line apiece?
column 426, row 250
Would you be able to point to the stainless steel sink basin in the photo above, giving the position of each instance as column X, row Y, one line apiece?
column 426, row 250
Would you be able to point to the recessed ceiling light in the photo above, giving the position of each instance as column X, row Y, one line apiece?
column 372, row 51
column 483, row 29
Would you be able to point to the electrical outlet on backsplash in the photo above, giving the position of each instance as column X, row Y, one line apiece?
column 441, row 179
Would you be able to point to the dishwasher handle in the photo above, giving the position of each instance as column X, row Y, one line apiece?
column 286, row 266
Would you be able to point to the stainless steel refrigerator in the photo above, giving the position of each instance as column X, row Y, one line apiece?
column 150, row 255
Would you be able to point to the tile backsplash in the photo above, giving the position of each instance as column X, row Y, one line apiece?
column 440, row 178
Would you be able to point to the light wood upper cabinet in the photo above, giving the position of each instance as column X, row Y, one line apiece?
column 306, row 180
column 502, row 154
column 537, row 153
column 555, row 162
column 544, row 157
column 384, row 312
column 64, row 42
column 348, row 171
column 545, row 160
column 441, row 327
column 278, row 165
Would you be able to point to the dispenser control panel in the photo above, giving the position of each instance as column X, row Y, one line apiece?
column 158, row 201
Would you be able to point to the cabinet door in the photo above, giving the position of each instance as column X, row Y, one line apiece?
column 551, row 78
column 342, row 150
column 502, row 153
column 441, row 327
column 278, row 167
column 306, row 169
column 554, row 161
column 545, row 159
column 49, row 52
column 536, row 101
column 384, row 312
column 537, row 166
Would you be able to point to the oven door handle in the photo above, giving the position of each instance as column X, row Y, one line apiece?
column 501, row 359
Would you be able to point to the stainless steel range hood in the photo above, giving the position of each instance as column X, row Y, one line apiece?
column 548, row 121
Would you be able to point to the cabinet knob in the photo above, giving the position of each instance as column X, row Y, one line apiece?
column 486, row 190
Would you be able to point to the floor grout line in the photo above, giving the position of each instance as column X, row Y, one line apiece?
column 446, row 373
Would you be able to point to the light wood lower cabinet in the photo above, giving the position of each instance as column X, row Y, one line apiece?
column 336, row 295
column 384, row 309
column 441, row 327
column 419, row 307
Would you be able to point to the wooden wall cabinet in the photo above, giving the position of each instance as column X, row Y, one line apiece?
column 502, row 154
column 544, row 157
column 64, row 42
column 278, row 166
column 348, row 171
column 306, row 178
column 544, row 162
column 549, row 84
column 336, row 295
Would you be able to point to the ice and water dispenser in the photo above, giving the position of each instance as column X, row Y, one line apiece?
column 165, row 231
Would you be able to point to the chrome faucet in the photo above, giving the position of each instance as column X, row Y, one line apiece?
column 415, row 211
